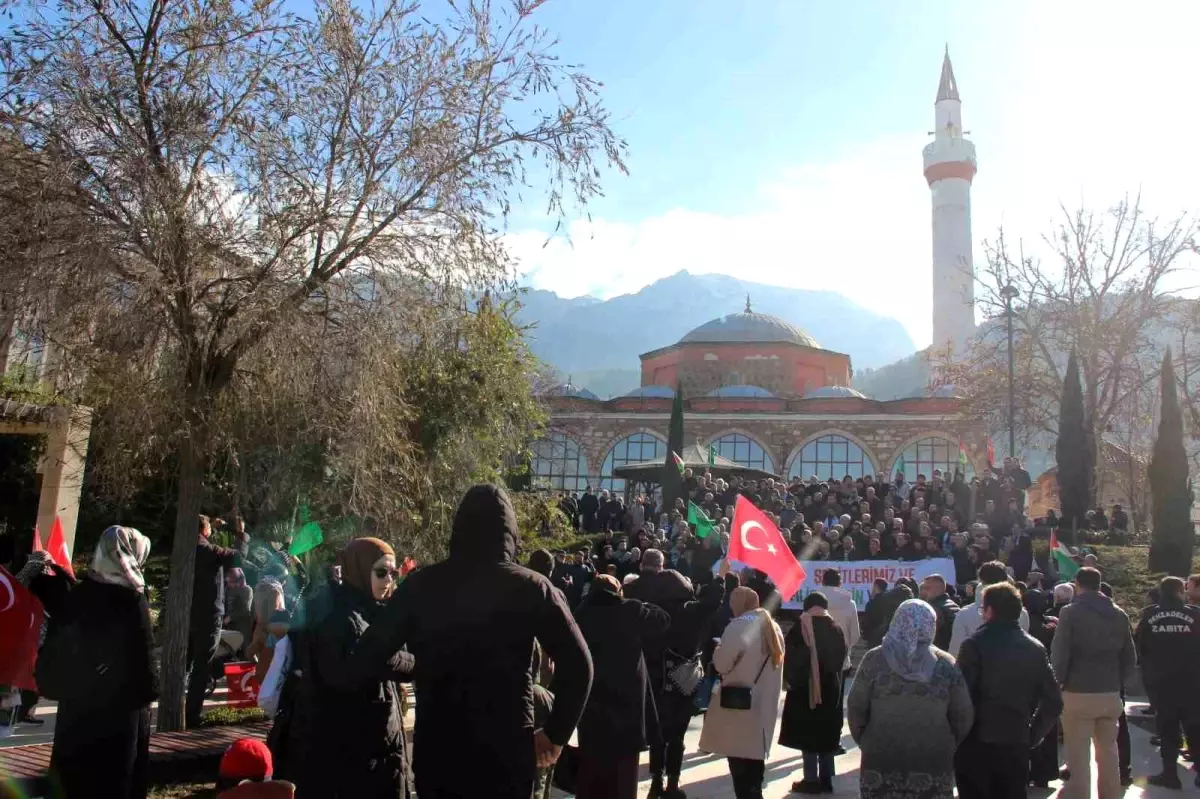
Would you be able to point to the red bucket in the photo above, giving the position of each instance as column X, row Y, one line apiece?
column 243, row 688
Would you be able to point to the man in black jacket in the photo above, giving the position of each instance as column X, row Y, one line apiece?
column 881, row 608
column 470, row 623
column 933, row 591
column 1016, row 698
column 690, row 617
column 208, row 608
column 1168, row 643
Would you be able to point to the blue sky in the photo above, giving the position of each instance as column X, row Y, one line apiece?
column 780, row 140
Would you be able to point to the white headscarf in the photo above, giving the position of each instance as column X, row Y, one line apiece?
column 908, row 643
column 120, row 554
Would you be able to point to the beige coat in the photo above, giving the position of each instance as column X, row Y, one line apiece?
column 743, row 733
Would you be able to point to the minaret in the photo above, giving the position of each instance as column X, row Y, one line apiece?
column 949, row 168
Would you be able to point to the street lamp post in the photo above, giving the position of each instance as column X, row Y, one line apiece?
column 1010, row 293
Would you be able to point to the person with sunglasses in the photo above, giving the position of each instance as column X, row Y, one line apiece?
column 354, row 733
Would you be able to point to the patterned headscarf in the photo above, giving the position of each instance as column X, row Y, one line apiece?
column 908, row 643
column 120, row 555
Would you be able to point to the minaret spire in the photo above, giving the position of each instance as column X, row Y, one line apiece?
column 748, row 304
column 948, row 86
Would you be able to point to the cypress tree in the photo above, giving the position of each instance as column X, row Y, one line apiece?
column 672, row 482
column 1173, row 538
column 1073, row 452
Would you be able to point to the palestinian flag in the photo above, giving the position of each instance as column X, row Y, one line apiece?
column 698, row 520
column 678, row 461
column 963, row 461
column 1066, row 565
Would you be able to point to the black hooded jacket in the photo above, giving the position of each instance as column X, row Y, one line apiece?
column 470, row 623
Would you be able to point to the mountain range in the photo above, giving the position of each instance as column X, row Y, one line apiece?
column 596, row 343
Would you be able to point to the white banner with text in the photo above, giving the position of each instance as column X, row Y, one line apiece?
column 859, row 575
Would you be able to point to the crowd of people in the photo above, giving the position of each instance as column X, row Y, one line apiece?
column 509, row 661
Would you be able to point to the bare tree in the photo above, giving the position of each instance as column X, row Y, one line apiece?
column 236, row 161
column 1106, row 292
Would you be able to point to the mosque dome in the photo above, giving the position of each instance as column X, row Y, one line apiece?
column 832, row 392
column 568, row 389
column 653, row 392
column 748, row 326
column 741, row 392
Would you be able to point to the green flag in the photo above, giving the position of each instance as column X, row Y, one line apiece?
column 900, row 466
column 712, row 455
column 701, row 525
column 308, row 536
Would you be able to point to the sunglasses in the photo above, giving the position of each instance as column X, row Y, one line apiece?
column 383, row 572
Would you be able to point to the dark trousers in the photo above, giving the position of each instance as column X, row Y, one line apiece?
column 607, row 777
column 747, row 777
column 202, row 651
column 1123, row 756
column 524, row 791
column 818, row 767
column 1043, row 760
column 1175, row 710
column 674, row 714
column 29, row 700
column 991, row 771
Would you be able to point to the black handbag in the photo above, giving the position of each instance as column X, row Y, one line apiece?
column 740, row 697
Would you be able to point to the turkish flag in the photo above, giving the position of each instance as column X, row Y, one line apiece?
column 757, row 542
column 57, row 547
column 21, row 617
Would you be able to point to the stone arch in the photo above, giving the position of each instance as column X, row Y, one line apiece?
column 608, row 453
column 832, row 431
column 756, row 439
column 953, row 438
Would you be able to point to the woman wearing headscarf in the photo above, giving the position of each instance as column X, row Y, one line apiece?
column 619, row 717
column 908, row 711
column 354, row 732
column 750, row 655
column 812, row 715
column 97, row 663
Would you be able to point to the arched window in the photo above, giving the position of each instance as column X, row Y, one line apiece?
column 745, row 451
column 558, row 464
column 831, row 456
column 928, row 454
column 636, row 448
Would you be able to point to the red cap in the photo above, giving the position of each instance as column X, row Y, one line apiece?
column 247, row 759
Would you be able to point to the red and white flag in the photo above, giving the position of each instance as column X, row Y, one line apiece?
column 57, row 547
column 757, row 542
column 21, row 617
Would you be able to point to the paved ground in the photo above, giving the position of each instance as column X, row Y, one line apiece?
column 707, row 776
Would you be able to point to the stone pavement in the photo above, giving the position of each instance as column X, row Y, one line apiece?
column 707, row 776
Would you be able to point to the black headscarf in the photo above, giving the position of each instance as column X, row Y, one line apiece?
column 485, row 527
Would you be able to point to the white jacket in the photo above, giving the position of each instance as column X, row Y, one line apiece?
column 970, row 619
column 845, row 613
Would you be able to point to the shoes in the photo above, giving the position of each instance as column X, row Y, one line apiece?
column 841, row 750
column 826, row 786
column 34, row 720
column 1065, row 774
column 1126, row 780
column 674, row 793
column 806, row 787
column 1165, row 781
column 1041, row 784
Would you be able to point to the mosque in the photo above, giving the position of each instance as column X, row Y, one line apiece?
column 766, row 395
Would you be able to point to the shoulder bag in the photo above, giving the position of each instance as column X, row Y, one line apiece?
column 741, row 697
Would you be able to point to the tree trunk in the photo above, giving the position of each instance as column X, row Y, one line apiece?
column 183, row 567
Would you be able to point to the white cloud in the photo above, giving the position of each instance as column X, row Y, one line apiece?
column 1094, row 105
